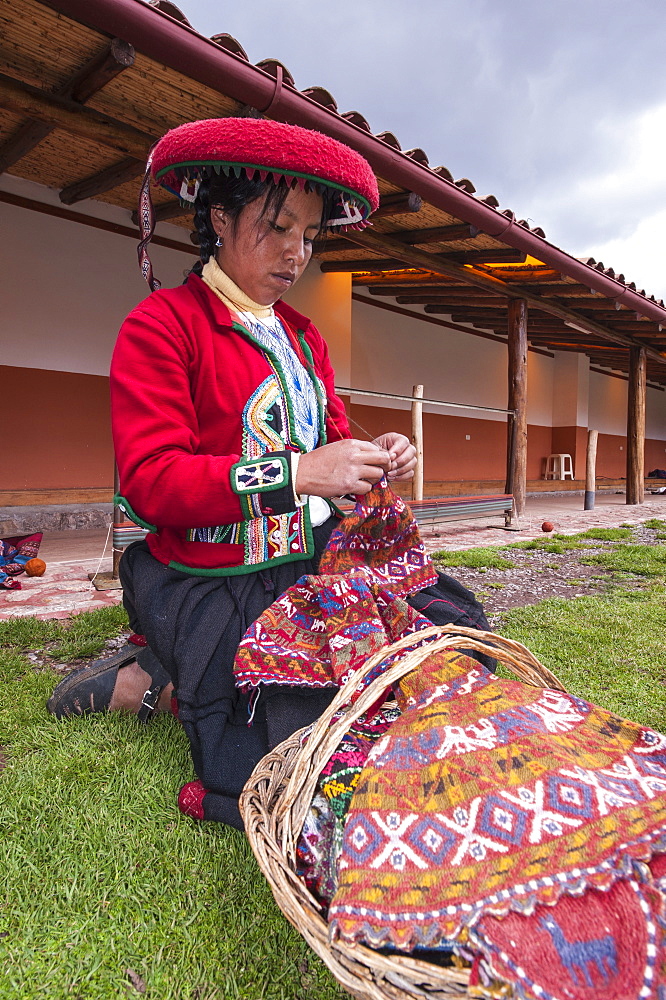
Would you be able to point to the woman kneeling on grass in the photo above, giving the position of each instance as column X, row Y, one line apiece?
column 230, row 440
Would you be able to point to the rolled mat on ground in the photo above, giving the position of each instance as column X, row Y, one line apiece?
column 520, row 827
column 19, row 555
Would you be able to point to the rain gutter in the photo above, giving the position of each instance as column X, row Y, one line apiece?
column 180, row 47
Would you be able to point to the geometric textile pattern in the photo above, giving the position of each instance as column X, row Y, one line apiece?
column 320, row 631
column 607, row 945
column 320, row 842
column 380, row 538
column 14, row 554
column 490, row 796
column 259, row 475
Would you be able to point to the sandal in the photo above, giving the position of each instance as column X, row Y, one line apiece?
column 89, row 689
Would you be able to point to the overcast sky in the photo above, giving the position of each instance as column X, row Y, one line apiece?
column 558, row 107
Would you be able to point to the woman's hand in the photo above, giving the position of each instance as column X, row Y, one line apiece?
column 348, row 466
column 402, row 453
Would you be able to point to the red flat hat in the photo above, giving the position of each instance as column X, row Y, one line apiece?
column 272, row 150
column 256, row 146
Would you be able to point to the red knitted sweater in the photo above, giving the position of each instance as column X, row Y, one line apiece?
column 202, row 431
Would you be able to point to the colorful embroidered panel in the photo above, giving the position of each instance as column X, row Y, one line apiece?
column 259, row 475
column 381, row 539
column 320, row 631
column 488, row 796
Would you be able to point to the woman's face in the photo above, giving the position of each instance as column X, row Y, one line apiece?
column 265, row 256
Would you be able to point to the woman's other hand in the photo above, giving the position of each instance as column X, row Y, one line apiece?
column 402, row 453
column 348, row 466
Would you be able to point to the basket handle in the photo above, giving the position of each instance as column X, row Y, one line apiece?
column 324, row 737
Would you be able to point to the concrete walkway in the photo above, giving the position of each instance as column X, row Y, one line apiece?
column 70, row 556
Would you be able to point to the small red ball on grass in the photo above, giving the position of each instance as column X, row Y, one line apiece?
column 547, row 526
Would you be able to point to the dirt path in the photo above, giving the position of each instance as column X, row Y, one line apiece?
column 538, row 574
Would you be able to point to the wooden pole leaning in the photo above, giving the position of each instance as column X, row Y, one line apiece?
column 417, row 441
column 636, row 426
column 591, row 470
column 517, row 372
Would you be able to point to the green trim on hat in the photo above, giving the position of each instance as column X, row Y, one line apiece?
column 233, row 165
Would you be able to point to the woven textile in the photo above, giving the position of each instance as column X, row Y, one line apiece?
column 326, row 626
column 608, row 945
column 380, row 538
column 320, row 630
column 491, row 796
column 15, row 552
column 320, row 842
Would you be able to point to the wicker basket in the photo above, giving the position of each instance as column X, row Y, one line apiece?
column 276, row 799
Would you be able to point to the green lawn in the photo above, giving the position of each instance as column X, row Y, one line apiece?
column 100, row 874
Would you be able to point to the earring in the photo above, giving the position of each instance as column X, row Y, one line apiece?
column 219, row 242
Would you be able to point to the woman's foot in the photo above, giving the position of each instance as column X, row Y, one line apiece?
column 131, row 684
column 117, row 682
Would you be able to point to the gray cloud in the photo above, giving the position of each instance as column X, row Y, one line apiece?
column 535, row 102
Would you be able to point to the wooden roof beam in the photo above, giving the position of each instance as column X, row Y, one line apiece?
column 452, row 301
column 402, row 203
column 107, row 179
column 438, row 234
column 420, row 259
column 76, row 119
column 414, row 288
column 91, row 78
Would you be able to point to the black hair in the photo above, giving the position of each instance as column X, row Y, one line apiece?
column 233, row 194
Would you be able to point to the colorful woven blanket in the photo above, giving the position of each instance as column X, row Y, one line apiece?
column 15, row 553
column 485, row 807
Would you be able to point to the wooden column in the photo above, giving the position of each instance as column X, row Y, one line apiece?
column 517, row 444
column 591, row 470
column 636, row 426
column 417, row 441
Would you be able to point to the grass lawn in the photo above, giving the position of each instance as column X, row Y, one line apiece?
column 107, row 891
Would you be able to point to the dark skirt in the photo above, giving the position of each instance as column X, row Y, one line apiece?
column 193, row 625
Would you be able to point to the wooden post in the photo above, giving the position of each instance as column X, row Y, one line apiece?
column 591, row 470
column 517, row 444
column 636, row 426
column 417, row 441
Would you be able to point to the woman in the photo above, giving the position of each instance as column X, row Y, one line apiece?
column 230, row 441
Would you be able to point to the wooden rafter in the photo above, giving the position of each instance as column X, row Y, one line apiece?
column 91, row 78
column 77, row 119
column 412, row 257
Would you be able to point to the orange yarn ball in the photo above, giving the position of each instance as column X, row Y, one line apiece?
column 35, row 567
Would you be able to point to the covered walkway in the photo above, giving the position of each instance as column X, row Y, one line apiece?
column 71, row 555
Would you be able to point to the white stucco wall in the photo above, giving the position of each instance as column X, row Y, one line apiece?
column 67, row 286
column 392, row 353
column 608, row 407
column 326, row 299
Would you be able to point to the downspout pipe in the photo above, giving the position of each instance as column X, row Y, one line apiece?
column 168, row 41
